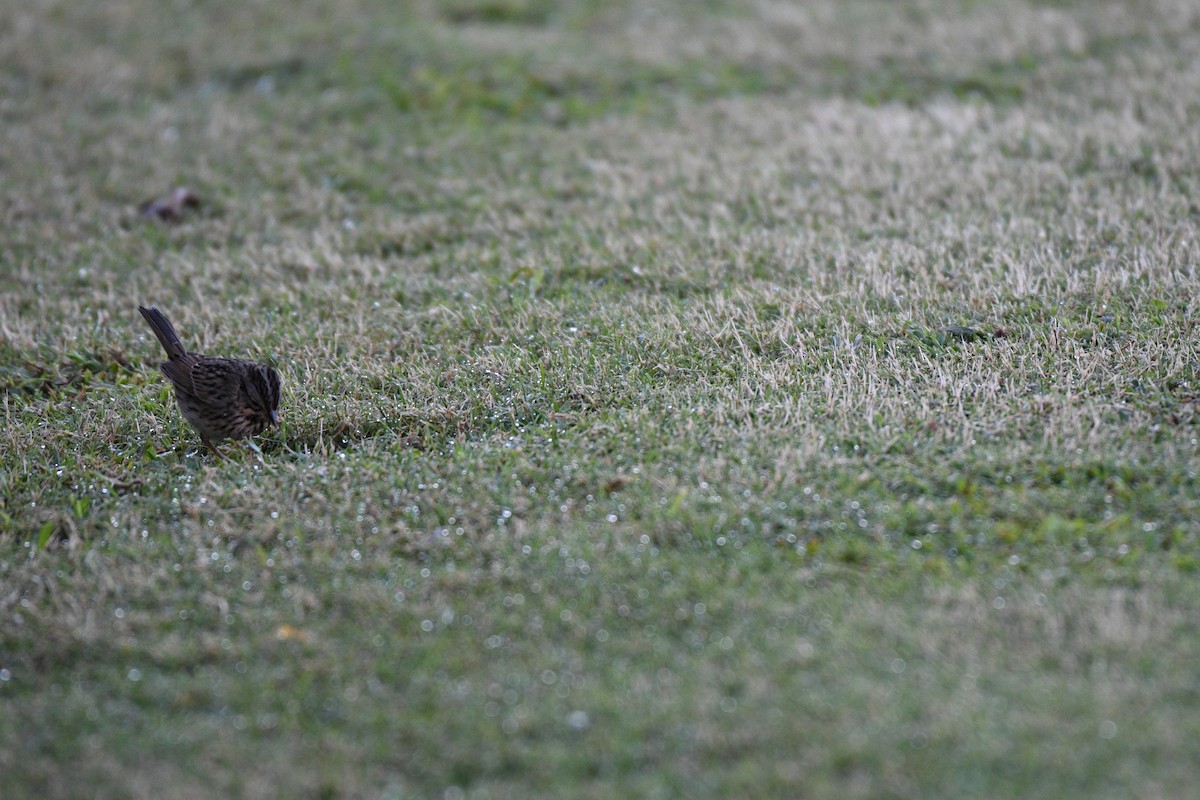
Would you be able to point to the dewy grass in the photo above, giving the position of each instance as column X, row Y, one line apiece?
column 764, row 400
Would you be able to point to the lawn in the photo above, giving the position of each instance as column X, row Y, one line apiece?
column 681, row 399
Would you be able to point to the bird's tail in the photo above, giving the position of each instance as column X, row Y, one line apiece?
column 164, row 331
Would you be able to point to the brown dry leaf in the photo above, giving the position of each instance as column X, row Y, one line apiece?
column 285, row 632
column 616, row 484
column 170, row 207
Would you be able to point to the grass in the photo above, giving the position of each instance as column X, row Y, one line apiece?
column 680, row 400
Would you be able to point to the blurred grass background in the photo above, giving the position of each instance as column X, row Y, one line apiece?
column 681, row 398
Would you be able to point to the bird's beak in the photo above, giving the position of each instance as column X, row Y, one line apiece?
column 274, row 417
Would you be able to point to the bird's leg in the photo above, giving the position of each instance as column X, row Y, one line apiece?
column 209, row 445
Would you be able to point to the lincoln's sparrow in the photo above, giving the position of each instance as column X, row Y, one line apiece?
column 223, row 398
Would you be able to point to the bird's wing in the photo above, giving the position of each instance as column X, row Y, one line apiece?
column 180, row 371
column 216, row 377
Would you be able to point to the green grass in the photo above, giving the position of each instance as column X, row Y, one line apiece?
column 687, row 399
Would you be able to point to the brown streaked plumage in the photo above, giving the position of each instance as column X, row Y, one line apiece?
column 222, row 398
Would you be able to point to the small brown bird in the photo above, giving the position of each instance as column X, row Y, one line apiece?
column 223, row 398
